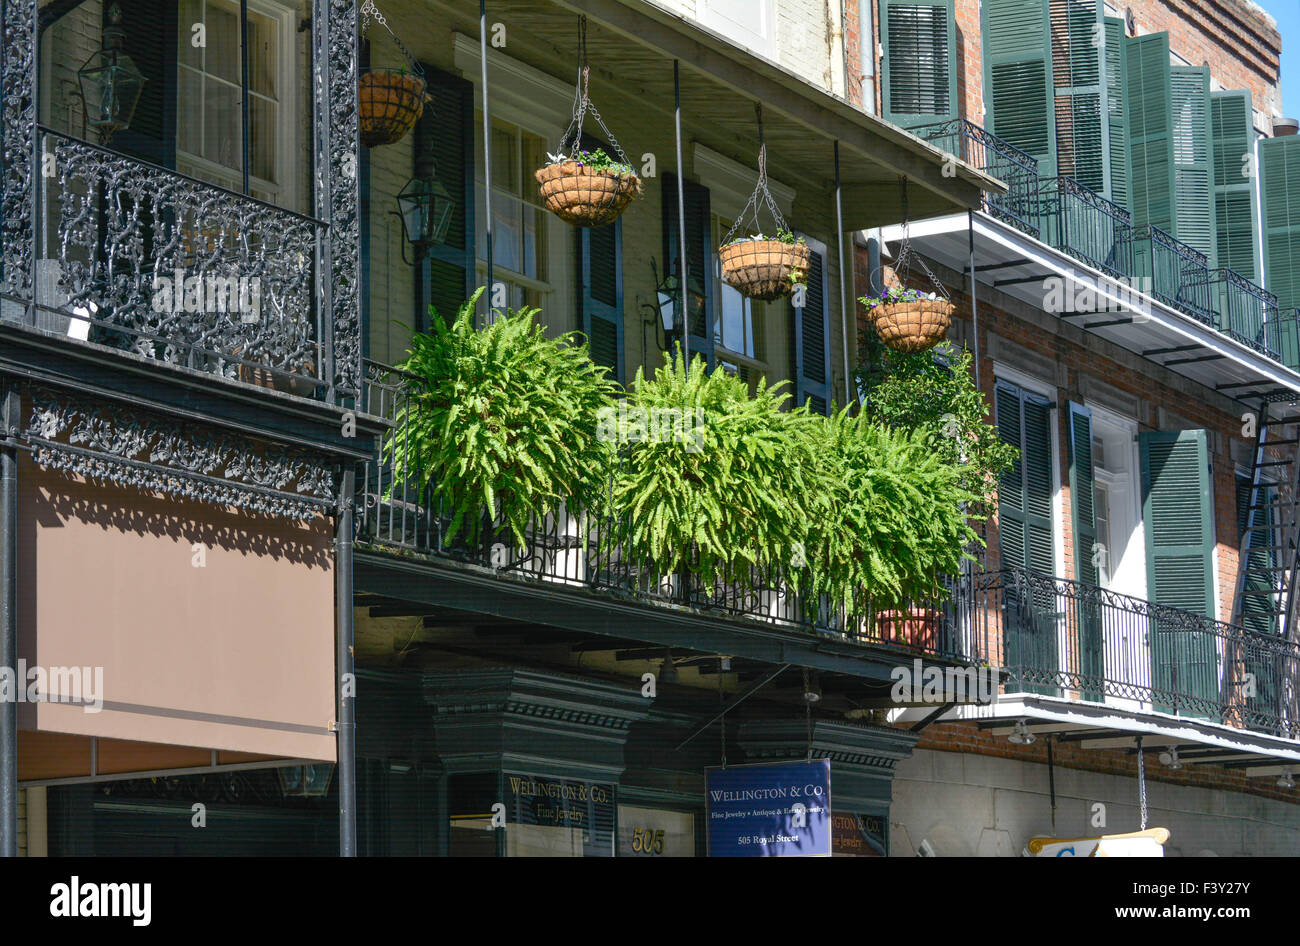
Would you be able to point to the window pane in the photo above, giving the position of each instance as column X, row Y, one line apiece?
column 222, row 54
column 261, row 55
column 222, row 125
column 263, row 131
column 505, row 158
column 191, row 12
column 189, row 116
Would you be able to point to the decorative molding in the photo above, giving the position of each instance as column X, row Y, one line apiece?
column 527, row 92
column 121, row 446
column 17, row 194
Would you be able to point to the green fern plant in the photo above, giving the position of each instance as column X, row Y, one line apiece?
column 501, row 419
column 735, row 492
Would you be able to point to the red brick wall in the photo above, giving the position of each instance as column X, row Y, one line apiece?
column 853, row 52
column 967, row 737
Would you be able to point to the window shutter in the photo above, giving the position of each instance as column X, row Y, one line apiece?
column 1082, row 497
column 1232, row 136
column 920, row 61
column 1257, row 598
column 600, row 293
column 453, row 276
column 1150, row 130
column 700, row 253
column 1116, row 112
column 1025, row 491
column 1194, row 222
column 1177, row 515
column 1018, row 77
column 812, row 344
column 1078, row 68
column 151, row 38
column 1279, row 165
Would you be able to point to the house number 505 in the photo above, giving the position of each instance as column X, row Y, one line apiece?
column 647, row 841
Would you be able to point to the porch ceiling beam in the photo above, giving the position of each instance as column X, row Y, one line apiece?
column 753, row 79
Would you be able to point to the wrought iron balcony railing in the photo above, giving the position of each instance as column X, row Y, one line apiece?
column 1173, row 272
column 1067, row 639
column 1243, row 309
column 590, row 549
column 1086, row 225
column 148, row 260
column 1282, row 337
column 995, row 156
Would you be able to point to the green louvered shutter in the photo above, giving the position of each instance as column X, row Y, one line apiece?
column 1232, row 135
column 1078, row 68
column 1116, row 111
column 1150, row 130
column 812, row 351
column 1025, row 532
column 1279, row 166
column 1019, row 91
column 1193, row 179
column 453, row 274
column 1177, row 516
column 1257, row 597
column 919, row 68
column 1083, row 503
column 699, row 255
column 600, row 293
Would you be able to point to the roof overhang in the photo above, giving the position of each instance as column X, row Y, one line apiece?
column 1020, row 266
column 1111, row 726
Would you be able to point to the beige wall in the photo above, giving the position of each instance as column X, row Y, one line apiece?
column 235, row 655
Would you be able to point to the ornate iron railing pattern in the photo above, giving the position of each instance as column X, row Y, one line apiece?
column 1086, row 225
column 1173, row 272
column 174, row 268
column 1244, row 309
column 1282, row 337
column 584, row 548
column 1065, row 638
column 995, row 156
column 121, row 222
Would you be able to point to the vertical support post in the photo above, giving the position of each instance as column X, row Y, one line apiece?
column 1142, row 787
column 681, row 213
column 974, row 302
column 343, row 668
column 243, row 90
column 846, row 277
column 8, row 618
column 487, row 150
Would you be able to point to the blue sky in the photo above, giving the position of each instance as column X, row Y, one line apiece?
column 1287, row 14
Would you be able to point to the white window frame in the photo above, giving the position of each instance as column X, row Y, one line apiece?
column 760, row 42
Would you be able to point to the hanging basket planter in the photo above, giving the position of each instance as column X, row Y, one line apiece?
column 908, row 321
column 585, row 195
column 391, row 102
column 764, row 268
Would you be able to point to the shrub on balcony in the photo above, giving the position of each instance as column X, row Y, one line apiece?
column 502, row 419
column 716, row 479
column 887, row 518
column 933, row 394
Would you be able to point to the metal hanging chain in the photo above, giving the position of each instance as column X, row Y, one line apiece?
column 582, row 104
column 760, row 192
column 371, row 12
column 903, row 262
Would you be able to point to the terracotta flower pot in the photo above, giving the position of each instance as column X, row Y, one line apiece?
column 764, row 269
column 917, row 628
column 391, row 102
column 584, row 197
column 912, row 326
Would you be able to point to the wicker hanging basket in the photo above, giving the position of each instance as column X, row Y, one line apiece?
column 391, row 101
column 584, row 197
column 764, row 269
column 913, row 326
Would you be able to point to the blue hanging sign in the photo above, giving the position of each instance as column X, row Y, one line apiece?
column 781, row 809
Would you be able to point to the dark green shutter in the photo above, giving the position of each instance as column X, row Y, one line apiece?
column 1116, row 112
column 600, row 293
column 1232, row 134
column 1083, row 501
column 1257, row 598
column 1019, row 93
column 150, row 40
column 1078, row 68
column 1279, row 165
column 1193, row 179
column 452, row 265
column 1150, row 130
column 700, row 253
column 1025, row 535
column 812, row 344
column 919, row 67
column 1177, row 516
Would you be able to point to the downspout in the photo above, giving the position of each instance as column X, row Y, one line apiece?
column 9, row 619
column 846, row 279
column 487, row 151
column 343, row 667
column 867, row 55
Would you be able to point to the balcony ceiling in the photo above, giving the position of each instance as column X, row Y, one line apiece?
column 633, row 44
column 1018, row 265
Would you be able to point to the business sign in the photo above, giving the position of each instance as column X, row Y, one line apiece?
column 560, row 816
column 1148, row 843
column 858, row 835
column 777, row 810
